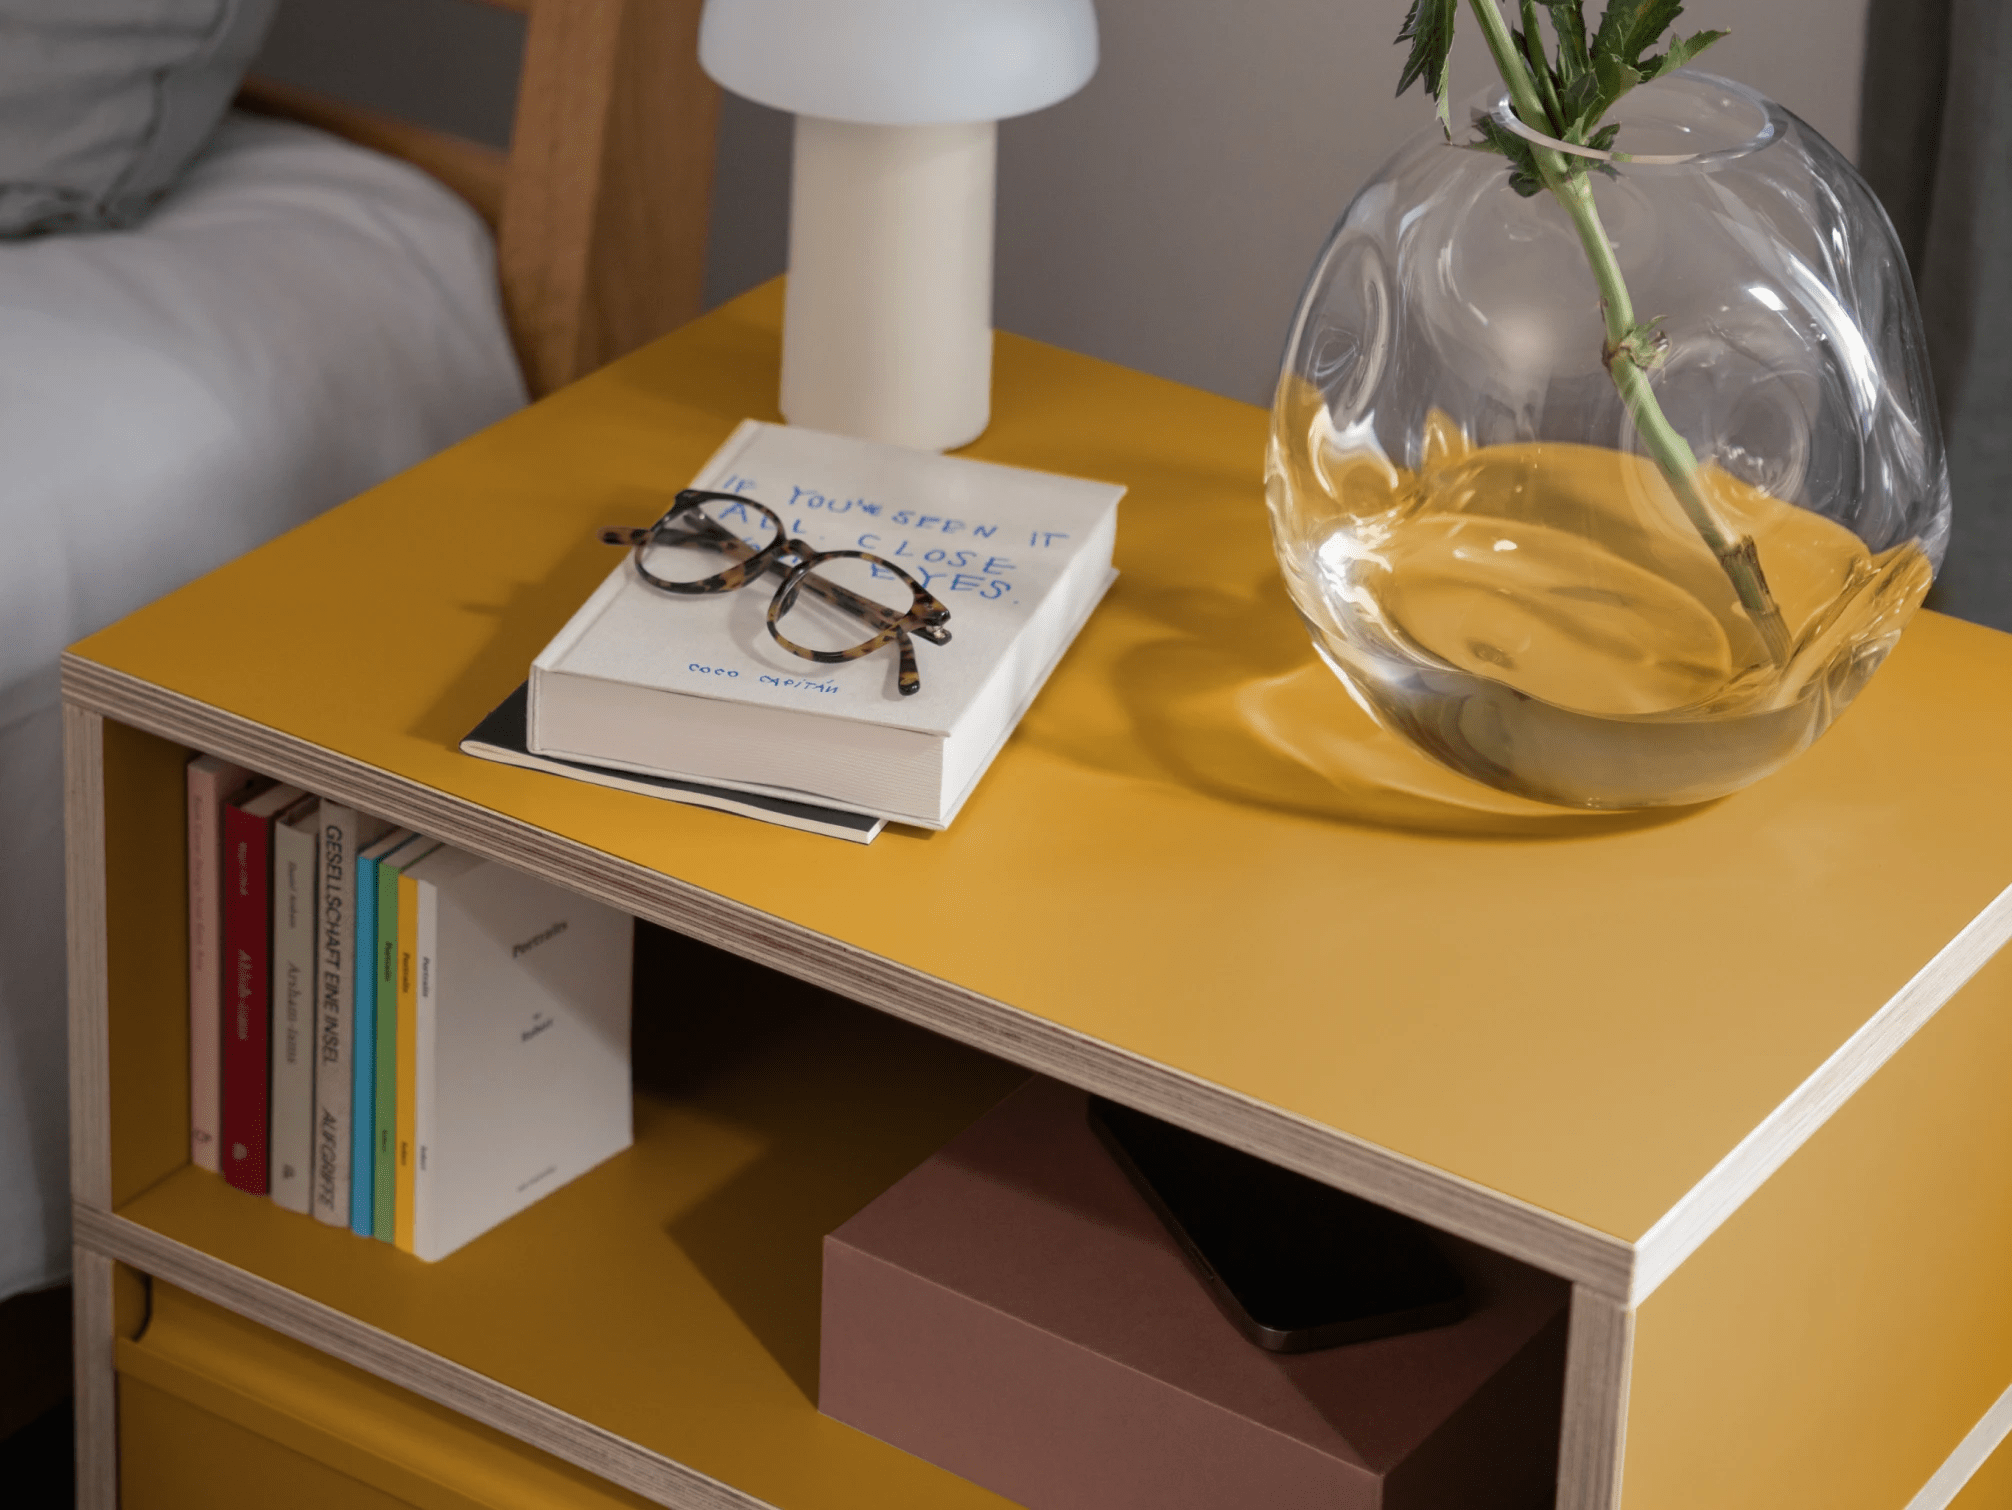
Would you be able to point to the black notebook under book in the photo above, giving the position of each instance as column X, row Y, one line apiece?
column 500, row 737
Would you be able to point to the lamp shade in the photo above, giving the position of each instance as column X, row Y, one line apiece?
column 900, row 62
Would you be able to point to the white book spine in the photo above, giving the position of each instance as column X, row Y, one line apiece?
column 425, row 1025
column 335, row 941
column 292, row 1041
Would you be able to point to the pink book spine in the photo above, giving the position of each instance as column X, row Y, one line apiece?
column 211, row 782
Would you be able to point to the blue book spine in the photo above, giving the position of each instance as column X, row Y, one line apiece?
column 363, row 1059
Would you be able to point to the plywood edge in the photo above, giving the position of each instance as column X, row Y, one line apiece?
column 1971, row 1454
column 1701, row 1212
column 95, row 1410
column 1599, row 1358
column 406, row 1365
column 84, row 885
column 475, row 172
column 1599, row 1261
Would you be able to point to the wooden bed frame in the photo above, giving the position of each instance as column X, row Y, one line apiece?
column 600, row 205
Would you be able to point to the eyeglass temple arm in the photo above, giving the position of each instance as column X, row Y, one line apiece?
column 908, row 679
column 711, row 532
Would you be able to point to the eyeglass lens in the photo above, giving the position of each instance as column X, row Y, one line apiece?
column 700, row 540
column 825, row 623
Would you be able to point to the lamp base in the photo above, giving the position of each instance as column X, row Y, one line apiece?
column 887, row 325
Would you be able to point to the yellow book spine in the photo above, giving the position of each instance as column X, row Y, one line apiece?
column 408, row 1054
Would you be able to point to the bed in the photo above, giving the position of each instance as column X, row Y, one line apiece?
column 325, row 297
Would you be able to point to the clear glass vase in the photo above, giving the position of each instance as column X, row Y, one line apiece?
column 1467, row 515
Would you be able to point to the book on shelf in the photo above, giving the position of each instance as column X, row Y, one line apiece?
column 343, row 831
column 416, row 1043
column 521, row 1049
column 384, row 1097
column 211, row 782
column 295, row 848
column 363, row 1056
column 247, row 963
column 693, row 687
column 406, row 1090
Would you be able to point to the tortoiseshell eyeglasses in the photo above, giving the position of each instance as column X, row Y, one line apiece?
column 831, row 606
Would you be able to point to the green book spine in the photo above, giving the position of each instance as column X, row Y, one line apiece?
column 384, row 1175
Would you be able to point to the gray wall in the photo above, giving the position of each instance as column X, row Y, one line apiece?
column 1163, row 218
column 453, row 64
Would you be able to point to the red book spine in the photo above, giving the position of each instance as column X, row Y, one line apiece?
column 246, row 962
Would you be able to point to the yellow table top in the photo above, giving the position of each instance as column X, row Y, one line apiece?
column 1587, row 1015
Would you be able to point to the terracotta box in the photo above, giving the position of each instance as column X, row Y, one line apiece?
column 1013, row 1311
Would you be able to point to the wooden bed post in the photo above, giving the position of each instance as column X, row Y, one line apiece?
column 602, row 201
column 603, row 239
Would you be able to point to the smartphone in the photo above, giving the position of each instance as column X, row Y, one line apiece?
column 1295, row 1264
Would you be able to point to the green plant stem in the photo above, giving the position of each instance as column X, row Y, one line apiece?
column 1533, row 45
column 1570, row 185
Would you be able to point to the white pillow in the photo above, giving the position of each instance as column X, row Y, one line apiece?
column 104, row 102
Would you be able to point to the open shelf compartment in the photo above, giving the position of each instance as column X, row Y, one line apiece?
column 667, row 1300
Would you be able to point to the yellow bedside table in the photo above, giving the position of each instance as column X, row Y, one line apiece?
column 1741, row 1075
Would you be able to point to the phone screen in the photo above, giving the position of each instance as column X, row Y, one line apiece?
column 1296, row 1264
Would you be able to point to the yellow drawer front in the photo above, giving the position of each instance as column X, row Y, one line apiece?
column 177, row 1456
column 217, row 1412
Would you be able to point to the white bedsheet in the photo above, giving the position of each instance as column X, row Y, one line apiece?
column 299, row 321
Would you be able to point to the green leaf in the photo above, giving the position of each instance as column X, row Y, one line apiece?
column 1628, row 28
column 1612, row 78
column 1631, row 27
column 1495, row 137
column 1581, row 105
column 1576, row 90
column 1568, row 20
column 1680, row 53
column 1603, row 141
column 1428, row 27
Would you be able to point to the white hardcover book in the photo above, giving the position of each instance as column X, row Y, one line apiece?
column 290, row 1134
column 692, row 687
column 344, row 833
column 521, row 1066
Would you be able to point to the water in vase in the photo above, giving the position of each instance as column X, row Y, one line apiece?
column 1544, row 618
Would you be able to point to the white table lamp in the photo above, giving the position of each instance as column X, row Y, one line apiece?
column 887, row 329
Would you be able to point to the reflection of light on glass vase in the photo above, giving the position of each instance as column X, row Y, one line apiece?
column 1459, row 501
